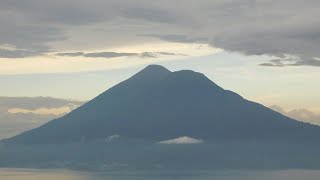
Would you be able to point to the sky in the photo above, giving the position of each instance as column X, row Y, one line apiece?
column 265, row 50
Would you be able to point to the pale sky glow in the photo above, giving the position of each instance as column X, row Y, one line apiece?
column 56, row 64
column 232, row 71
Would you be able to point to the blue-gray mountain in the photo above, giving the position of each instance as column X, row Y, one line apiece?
column 156, row 104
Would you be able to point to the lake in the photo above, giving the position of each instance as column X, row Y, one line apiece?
column 32, row 174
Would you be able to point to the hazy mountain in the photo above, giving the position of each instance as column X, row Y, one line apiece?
column 300, row 114
column 18, row 114
column 156, row 105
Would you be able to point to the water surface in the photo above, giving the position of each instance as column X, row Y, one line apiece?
column 32, row 174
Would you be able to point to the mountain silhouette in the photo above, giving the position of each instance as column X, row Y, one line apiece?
column 156, row 105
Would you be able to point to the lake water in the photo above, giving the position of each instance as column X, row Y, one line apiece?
column 31, row 174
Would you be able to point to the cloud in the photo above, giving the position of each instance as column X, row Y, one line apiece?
column 178, row 38
column 33, row 103
column 182, row 140
column 18, row 114
column 44, row 111
column 170, row 54
column 5, row 53
column 27, row 39
column 153, row 14
column 116, row 54
column 109, row 54
column 150, row 55
column 301, row 114
column 112, row 138
column 252, row 27
column 71, row 54
column 289, row 61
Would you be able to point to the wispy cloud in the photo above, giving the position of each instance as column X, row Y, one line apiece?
column 44, row 111
column 182, row 140
column 71, row 54
column 5, row 53
column 180, row 38
column 109, row 55
column 292, row 61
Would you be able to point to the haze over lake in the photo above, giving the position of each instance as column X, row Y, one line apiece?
column 32, row 174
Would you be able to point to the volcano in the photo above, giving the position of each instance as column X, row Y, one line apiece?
column 156, row 105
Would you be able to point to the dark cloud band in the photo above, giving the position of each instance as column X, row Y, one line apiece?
column 252, row 27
